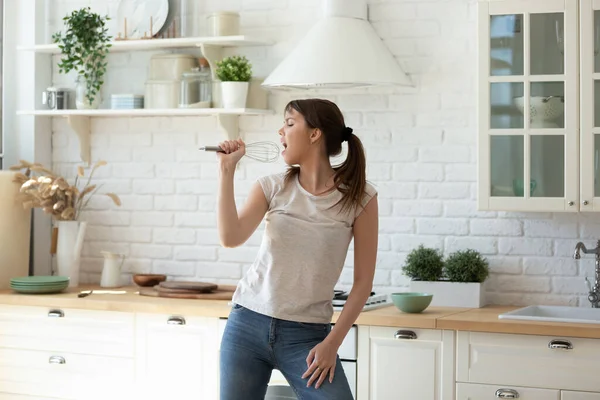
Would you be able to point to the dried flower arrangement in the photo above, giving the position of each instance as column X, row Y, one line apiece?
column 53, row 193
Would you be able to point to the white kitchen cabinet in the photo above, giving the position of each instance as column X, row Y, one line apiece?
column 590, row 104
column 527, row 360
column 471, row 391
column 177, row 356
column 61, row 353
column 568, row 395
column 529, row 105
column 398, row 363
column 107, row 333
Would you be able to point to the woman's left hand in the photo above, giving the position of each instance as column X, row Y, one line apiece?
column 320, row 362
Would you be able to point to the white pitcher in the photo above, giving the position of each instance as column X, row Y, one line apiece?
column 111, row 272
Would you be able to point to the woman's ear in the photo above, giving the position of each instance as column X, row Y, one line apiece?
column 315, row 135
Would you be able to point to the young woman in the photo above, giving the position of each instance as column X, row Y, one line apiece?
column 283, row 305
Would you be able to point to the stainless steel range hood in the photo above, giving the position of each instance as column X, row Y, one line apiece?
column 341, row 51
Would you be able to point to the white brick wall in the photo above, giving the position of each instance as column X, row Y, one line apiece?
column 421, row 150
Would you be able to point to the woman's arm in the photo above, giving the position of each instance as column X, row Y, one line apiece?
column 366, row 230
column 321, row 359
column 235, row 229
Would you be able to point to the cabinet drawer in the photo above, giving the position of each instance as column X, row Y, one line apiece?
column 471, row 391
column 64, row 375
column 527, row 360
column 106, row 333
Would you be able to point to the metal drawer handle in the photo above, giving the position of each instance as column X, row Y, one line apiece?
column 176, row 321
column 56, row 313
column 57, row 360
column 405, row 335
column 507, row 394
column 560, row 344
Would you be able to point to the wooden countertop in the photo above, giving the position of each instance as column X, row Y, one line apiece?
column 486, row 320
column 391, row 316
column 131, row 301
column 460, row 319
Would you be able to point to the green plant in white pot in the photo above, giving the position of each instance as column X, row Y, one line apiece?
column 457, row 283
column 84, row 47
column 234, row 73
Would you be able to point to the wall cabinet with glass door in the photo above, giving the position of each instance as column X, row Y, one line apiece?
column 528, row 97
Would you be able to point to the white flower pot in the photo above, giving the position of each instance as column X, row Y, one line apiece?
column 452, row 294
column 234, row 94
column 68, row 249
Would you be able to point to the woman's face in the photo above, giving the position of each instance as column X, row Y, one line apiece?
column 295, row 137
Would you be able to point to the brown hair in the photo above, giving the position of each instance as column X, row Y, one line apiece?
column 350, row 176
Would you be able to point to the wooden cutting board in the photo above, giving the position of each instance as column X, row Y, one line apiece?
column 184, row 291
column 223, row 292
column 196, row 286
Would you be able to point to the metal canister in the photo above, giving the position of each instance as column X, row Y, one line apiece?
column 56, row 98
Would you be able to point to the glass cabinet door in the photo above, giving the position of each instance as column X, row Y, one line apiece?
column 589, row 40
column 528, row 104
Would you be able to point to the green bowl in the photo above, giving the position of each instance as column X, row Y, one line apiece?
column 411, row 302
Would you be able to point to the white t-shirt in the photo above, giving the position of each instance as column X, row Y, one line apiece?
column 302, row 253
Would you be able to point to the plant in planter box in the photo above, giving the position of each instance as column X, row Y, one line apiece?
column 466, row 266
column 424, row 264
column 459, row 283
column 84, row 47
column 234, row 73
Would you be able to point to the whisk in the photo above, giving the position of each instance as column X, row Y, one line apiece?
column 266, row 152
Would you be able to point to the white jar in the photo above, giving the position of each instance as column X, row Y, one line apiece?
column 223, row 23
column 170, row 66
column 162, row 94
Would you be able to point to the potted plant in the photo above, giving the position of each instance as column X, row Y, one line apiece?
column 234, row 73
column 459, row 282
column 424, row 264
column 84, row 47
column 64, row 202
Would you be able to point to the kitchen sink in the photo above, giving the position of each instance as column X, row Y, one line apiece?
column 555, row 314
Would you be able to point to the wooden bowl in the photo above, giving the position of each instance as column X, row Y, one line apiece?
column 149, row 279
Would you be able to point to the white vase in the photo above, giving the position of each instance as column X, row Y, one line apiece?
column 452, row 294
column 234, row 94
column 68, row 249
column 81, row 100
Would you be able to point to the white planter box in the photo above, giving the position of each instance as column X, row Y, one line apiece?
column 451, row 294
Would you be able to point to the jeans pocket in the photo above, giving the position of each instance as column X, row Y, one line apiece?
column 236, row 307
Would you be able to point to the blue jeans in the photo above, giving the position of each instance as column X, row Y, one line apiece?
column 254, row 344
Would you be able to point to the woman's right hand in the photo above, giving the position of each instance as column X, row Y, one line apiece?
column 233, row 151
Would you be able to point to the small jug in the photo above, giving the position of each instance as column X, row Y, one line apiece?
column 111, row 273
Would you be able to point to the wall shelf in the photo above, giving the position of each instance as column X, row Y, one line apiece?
column 79, row 120
column 212, row 49
column 158, row 44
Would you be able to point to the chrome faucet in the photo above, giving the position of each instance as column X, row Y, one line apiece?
column 594, row 293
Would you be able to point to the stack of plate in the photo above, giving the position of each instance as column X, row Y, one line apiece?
column 126, row 101
column 39, row 284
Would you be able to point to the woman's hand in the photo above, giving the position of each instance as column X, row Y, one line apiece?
column 320, row 362
column 233, row 151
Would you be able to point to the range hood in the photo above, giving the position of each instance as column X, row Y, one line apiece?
column 342, row 51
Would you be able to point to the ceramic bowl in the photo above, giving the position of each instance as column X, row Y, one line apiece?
column 543, row 110
column 149, row 279
column 412, row 302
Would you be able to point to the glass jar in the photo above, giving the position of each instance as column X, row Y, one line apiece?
column 196, row 87
column 81, row 100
